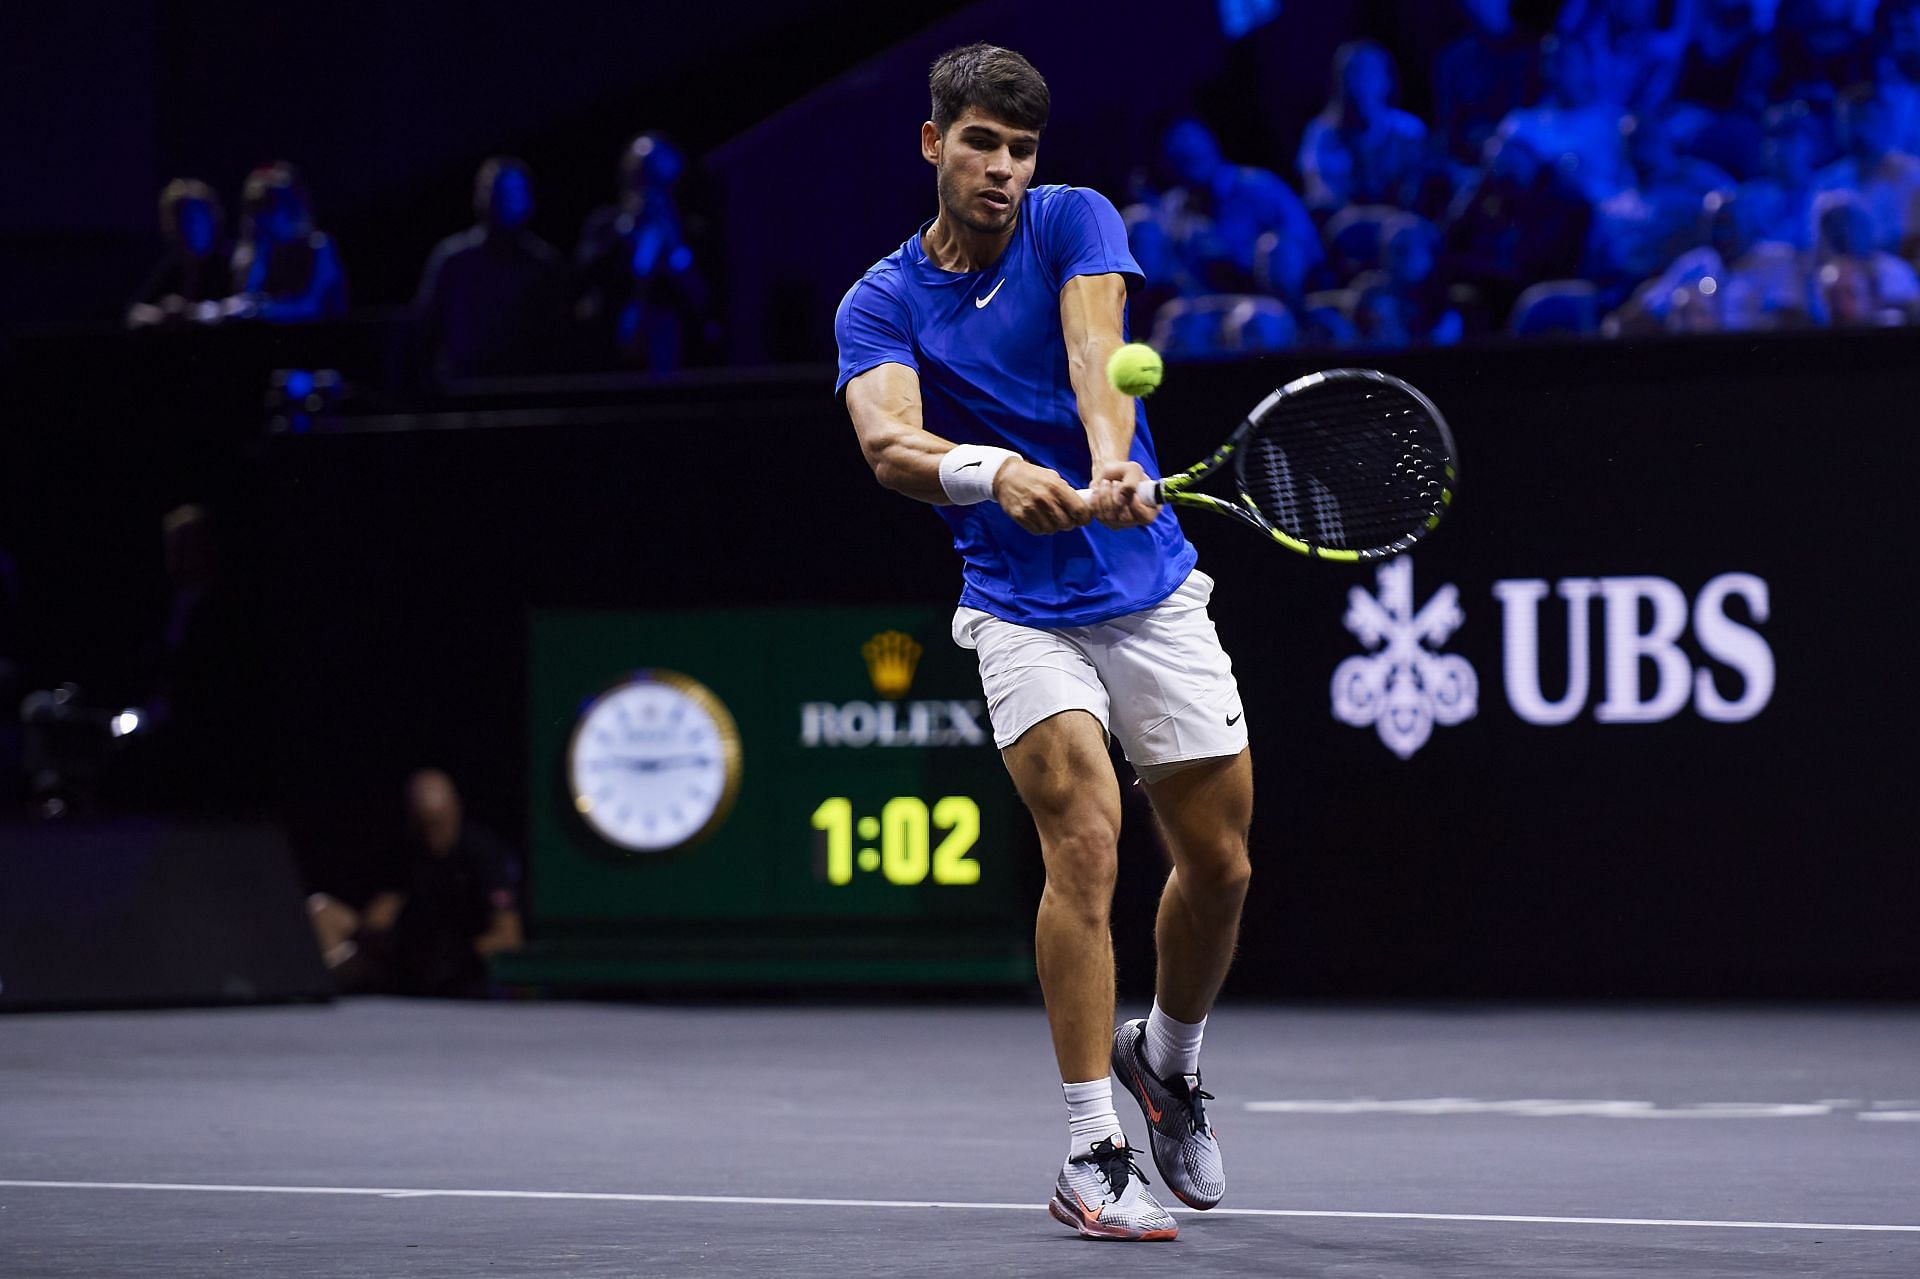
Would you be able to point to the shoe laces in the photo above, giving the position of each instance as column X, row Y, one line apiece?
column 1196, row 1112
column 1115, row 1163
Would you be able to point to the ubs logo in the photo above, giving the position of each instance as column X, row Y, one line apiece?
column 1405, row 687
column 1402, row 690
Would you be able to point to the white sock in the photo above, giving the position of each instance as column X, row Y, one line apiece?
column 1090, row 1116
column 1173, row 1047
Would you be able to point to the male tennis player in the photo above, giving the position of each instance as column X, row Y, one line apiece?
column 973, row 364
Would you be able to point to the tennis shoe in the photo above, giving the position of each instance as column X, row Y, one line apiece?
column 1184, row 1146
column 1103, row 1195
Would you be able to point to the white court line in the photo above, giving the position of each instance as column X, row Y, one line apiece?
column 768, row 1201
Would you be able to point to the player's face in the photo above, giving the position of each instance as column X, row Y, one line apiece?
column 984, row 165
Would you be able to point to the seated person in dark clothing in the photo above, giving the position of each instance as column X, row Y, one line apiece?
column 1658, row 217
column 1405, row 302
column 492, row 298
column 194, row 275
column 1519, row 225
column 1887, row 179
column 1575, row 128
column 1362, row 149
column 642, row 288
column 286, row 269
column 454, row 903
column 1211, row 218
column 1779, row 200
column 1479, row 78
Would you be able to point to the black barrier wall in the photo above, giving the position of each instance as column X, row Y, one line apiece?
column 1634, row 722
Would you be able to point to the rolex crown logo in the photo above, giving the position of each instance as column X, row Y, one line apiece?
column 891, row 658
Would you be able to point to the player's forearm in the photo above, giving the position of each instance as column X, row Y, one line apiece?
column 1105, row 413
column 906, row 459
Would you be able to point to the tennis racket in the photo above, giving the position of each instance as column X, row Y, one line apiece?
column 1348, row 465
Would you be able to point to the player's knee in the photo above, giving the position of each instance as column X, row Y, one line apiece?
column 1219, row 868
column 1081, row 870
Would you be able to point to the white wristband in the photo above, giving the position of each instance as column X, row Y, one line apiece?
column 967, row 471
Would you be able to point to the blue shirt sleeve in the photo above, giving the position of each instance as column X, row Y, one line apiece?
column 1086, row 236
column 871, row 328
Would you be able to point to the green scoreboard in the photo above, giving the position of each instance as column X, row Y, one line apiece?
column 768, row 796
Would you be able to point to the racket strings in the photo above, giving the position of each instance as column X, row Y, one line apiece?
column 1350, row 465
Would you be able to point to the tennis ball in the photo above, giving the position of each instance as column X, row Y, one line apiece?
column 1134, row 369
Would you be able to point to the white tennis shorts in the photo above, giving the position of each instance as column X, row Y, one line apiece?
column 1158, row 679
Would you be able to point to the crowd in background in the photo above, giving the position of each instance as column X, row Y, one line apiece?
column 493, row 299
column 1648, row 165
column 1692, row 166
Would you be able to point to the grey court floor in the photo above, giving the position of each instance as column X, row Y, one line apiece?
column 388, row 1138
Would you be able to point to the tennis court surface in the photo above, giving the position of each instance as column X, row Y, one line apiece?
column 388, row 1138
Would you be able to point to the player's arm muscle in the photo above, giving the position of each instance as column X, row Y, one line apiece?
column 884, row 403
column 1092, row 322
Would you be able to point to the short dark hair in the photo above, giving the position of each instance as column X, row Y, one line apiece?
column 997, row 81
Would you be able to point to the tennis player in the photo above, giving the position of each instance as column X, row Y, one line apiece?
column 972, row 361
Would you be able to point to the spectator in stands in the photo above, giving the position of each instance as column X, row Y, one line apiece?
column 1658, row 217
column 1763, row 282
column 1574, row 129
column 1687, row 297
column 1362, row 149
column 1845, row 229
column 452, row 903
column 1207, row 226
column 1520, row 224
column 1780, row 199
column 286, row 269
column 1888, row 180
column 1897, row 70
column 492, row 298
column 193, row 277
column 1818, row 51
column 1720, row 91
column 1479, row 78
column 643, row 290
column 1405, row 302
column 1845, row 296
column 1635, row 60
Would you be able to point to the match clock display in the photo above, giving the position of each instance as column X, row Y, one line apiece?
column 654, row 762
column 768, row 795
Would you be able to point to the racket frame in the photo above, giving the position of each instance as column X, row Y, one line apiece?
column 1177, row 490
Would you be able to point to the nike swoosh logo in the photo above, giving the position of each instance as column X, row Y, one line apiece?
column 967, row 466
column 980, row 302
column 1094, row 1213
column 1146, row 1100
column 1232, row 719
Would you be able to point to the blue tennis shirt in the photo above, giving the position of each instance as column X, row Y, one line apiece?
column 993, row 370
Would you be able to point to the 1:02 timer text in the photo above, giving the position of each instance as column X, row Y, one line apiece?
column 905, row 853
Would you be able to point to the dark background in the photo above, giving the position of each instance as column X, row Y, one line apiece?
column 391, row 573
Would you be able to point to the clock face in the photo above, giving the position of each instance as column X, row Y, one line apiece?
column 654, row 762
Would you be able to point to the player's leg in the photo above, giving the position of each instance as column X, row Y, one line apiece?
column 1049, row 712
column 1204, row 812
column 1063, row 773
column 1062, row 770
column 1177, row 713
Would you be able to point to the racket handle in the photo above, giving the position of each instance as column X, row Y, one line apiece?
column 1147, row 492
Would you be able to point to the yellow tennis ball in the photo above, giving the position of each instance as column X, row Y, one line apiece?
column 1134, row 369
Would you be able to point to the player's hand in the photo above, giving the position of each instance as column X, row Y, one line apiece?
column 1038, row 499
column 1116, row 496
